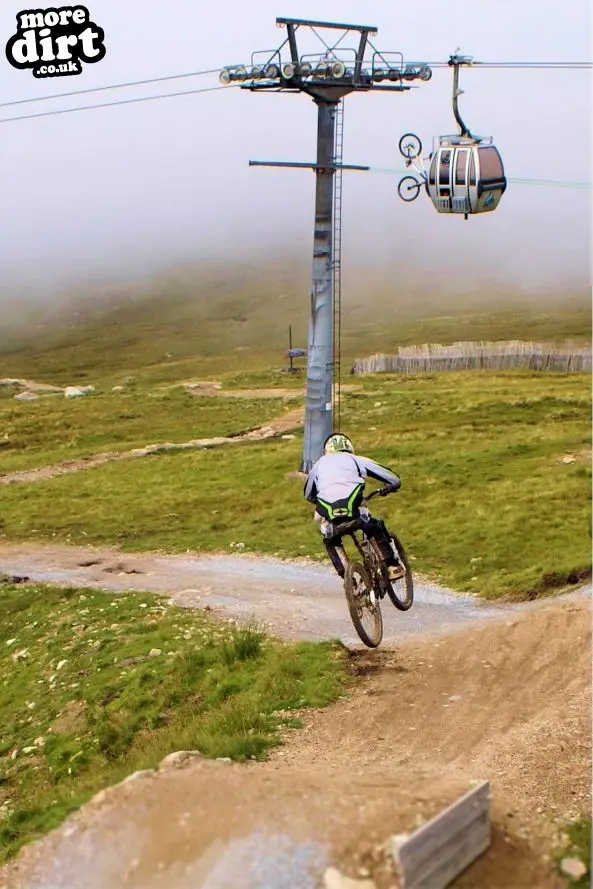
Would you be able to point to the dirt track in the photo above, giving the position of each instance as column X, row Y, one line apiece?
column 504, row 699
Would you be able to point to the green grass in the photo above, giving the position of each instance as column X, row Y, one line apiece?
column 486, row 504
column 578, row 845
column 84, row 703
column 54, row 428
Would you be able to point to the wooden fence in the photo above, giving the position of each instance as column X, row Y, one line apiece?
column 434, row 358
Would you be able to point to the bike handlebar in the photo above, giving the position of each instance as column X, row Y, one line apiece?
column 382, row 492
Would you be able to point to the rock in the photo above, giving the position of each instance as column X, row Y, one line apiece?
column 118, row 389
column 154, row 652
column 26, row 396
column 226, row 759
column 573, row 868
column 178, row 758
column 288, row 437
column 568, row 459
column 333, row 879
column 454, row 698
column 78, row 391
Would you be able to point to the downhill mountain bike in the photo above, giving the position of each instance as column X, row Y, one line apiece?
column 367, row 581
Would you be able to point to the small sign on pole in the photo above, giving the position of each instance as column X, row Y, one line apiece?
column 293, row 353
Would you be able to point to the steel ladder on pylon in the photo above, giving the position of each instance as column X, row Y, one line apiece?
column 337, row 264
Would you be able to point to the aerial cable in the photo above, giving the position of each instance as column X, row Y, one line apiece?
column 207, row 89
column 551, row 66
column 113, row 86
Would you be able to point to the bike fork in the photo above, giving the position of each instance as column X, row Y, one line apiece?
column 342, row 556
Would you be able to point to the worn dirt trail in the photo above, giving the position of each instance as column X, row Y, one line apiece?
column 277, row 427
column 476, row 693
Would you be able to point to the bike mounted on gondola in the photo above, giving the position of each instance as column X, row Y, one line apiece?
column 465, row 173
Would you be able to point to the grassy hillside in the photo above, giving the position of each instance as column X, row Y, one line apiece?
column 210, row 318
column 487, row 504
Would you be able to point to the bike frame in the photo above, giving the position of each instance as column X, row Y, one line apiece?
column 366, row 546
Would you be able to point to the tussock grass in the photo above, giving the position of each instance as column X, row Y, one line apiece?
column 94, row 686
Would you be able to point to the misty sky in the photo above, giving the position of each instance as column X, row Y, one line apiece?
column 123, row 190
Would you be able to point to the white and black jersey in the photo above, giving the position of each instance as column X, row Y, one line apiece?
column 337, row 480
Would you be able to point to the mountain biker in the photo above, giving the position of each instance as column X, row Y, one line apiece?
column 335, row 485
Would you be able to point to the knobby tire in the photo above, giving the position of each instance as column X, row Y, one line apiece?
column 402, row 603
column 357, row 586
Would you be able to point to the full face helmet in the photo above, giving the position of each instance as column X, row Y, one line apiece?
column 337, row 443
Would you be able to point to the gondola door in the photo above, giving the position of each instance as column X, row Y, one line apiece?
column 460, row 202
column 444, row 185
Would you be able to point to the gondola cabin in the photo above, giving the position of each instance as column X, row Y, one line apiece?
column 466, row 176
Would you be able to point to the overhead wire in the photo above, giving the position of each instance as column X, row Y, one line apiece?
column 207, row 89
column 112, row 86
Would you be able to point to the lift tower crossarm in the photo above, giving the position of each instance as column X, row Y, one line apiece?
column 337, row 26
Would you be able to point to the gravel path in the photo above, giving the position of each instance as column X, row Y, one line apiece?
column 295, row 600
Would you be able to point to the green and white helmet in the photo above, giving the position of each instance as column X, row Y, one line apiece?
column 337, row 443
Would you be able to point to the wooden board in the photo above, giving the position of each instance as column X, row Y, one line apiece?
column 435, row 854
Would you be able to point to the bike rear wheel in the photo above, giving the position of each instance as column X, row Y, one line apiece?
column 400, row 591
column 365, row 613
column 409, row 188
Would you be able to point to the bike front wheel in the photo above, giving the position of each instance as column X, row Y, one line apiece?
column 363, row 605
column 400, row 590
